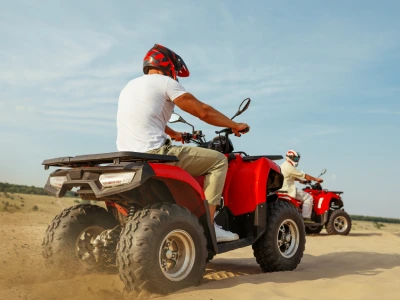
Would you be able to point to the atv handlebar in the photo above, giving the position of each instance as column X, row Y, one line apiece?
column 315, row 186
column 230, row 131
column 196, row 137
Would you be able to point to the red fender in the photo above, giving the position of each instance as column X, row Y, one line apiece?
column 322, row 200
column 184, row 188
column 293, row 201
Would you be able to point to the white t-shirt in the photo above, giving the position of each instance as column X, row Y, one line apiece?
column 289, row 173
column 144, row 108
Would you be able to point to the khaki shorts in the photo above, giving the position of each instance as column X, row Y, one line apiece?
column 198, row 162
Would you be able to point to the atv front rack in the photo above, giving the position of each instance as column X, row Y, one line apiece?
column 91, row 160
column 271, row 157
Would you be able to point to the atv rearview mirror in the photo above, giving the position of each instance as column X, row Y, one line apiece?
column 322, row 172
column 243, row 106
column 176, row 118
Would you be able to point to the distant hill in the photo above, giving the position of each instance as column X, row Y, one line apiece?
column 24, row 189
column 375, row 219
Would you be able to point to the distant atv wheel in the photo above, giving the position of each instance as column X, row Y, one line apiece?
column 339, row 223
column 67, row 243
column 313, row 229
column 282, row 245
column 161, row 249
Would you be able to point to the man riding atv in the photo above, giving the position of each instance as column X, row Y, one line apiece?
column 291, row 174
column 145, row 105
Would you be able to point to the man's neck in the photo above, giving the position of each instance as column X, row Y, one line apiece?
column 155, row 71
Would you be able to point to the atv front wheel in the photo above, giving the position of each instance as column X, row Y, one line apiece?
column 161, row 249
column 67, row 242
column 281, row 247
column 339, row 223
column 313, row 229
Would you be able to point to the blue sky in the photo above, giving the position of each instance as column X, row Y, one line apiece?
column 323, row 78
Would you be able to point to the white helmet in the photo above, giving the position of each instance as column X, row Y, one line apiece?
column 293, row 157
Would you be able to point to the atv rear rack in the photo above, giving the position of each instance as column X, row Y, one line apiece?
column 116, row 158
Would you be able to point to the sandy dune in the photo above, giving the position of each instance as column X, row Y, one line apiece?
column 363, row 265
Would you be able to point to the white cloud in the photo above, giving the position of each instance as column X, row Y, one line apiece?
column 54, row 53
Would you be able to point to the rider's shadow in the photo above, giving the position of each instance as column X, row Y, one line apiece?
column 332, row 265
column 322, row 235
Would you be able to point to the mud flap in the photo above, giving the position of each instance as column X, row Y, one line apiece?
column 209, row 229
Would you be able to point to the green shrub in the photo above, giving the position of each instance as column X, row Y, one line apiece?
column 378, row 225
column 375, row 219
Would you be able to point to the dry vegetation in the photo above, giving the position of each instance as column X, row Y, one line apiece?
column 22, row 203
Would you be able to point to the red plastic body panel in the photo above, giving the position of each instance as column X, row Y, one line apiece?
column 246, row 184
column 322, row 200
column 185, row 189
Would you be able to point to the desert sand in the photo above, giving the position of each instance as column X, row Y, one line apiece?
column 363, row 265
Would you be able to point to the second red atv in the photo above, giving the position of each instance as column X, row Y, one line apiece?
column 156, row 225
column 327, row 210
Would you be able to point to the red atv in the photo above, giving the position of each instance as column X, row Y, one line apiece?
column 328, row 210
column 156, row 225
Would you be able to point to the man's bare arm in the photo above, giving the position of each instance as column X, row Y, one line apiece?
column 169, row 130
column 190, row 104
column 309, row 177
column 177, row 136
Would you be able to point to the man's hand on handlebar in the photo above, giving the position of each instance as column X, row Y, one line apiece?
column 241, row 128
column 178, row 137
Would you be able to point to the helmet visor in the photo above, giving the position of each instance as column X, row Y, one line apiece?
column 295, row 158
column 181, row 68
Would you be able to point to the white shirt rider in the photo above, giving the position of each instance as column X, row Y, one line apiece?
column 141, row 123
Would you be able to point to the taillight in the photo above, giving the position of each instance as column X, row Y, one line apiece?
column 116, row 179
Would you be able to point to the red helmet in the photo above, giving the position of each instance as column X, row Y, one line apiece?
column 166, row 60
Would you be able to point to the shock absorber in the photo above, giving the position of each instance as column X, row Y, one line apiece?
column 131, row 211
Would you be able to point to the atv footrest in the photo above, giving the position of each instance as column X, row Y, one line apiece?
column 228, row 246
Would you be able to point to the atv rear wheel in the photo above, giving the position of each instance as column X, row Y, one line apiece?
column 281, row 247
column 339, row 223
column 161, row 249
column 313, row 229
column 67, row 243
